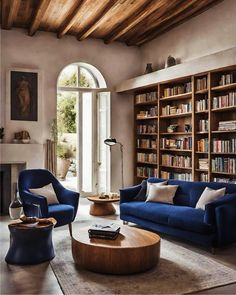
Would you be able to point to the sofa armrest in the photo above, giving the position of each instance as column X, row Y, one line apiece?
column 128, row 193
column 226, row 223
column 210, row 209
column 29, row 198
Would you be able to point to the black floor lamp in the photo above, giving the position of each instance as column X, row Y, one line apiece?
column 111, row 142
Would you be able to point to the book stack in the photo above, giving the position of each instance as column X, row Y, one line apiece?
column 226, row 79
column 227, row 125
column 201, row 83
column 103, row 231
column 203, row 164
column 202, row 105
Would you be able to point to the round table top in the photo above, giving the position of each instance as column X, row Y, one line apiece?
column 96, row 199
column 35, row 225
column 129, row 237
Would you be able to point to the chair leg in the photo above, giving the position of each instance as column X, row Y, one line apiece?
column 70, row 228
column 125, row 222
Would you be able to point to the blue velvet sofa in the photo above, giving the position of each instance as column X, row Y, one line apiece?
column 213, row 227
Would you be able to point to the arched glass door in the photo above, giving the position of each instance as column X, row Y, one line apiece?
column 83, row 120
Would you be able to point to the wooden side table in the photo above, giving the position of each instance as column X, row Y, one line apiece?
column 102, row 207
column 30, row 243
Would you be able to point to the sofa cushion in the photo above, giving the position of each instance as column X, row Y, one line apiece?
column 161, row 193
column 209, row 195
column 141, row 196
column 189, row 219
column 62, row 213
column 182, row 196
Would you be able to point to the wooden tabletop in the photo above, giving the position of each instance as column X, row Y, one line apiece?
column 96, row 199
column 35, row 225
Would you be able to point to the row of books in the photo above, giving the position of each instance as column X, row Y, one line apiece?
column 146, row 97
column 226, row 180
column 203, row 125
column 147, row 172
column 226, row 79
column 147, row 157
column 201, row 83
column 152, row 112
column 146, row 143
column 226, row 165
column 177, row 176
column 228, row 100
column 203, row 145
column 227, row 125
column 178, row 89
column 224, row 146
column 176, row 161
column 146, row 128
column 203, row 177
column 180, row 109
column 202, row 104
column 184, row 143
column 203, row 163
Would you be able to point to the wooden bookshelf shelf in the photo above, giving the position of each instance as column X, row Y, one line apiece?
column 153, row 102
column 176, row 115
column 176, row 150
column 177, row 97
column 147, row 118
column 224, row 109
column 203, row 91
column 208, row 118
column 143, row 177
column 224, row 87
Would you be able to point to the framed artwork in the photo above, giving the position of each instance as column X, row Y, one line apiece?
column 24, row 95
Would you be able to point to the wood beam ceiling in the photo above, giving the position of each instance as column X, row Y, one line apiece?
column 172, row 19
column 39, row 13
column 9, row 12
column 70, row 20
column 144, row 11
column 97, row 21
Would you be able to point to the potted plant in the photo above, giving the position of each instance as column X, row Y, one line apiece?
column 64, row 155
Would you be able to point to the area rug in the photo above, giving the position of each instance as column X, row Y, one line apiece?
column 179, row 271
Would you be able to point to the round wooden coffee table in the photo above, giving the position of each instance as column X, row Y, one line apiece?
column 102, row 207
column 135, row 250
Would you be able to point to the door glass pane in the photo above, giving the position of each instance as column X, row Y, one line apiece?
column 86, row 79
column 87, row 131
column 103, row 150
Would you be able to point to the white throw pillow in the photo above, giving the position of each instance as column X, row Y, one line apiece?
column 162, row 193
column 149, row 184
column 209, row 195
column 46, row 191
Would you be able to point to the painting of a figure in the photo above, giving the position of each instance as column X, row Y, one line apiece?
column 24, row 96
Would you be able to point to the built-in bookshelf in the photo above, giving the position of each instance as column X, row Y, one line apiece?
column 186, row 128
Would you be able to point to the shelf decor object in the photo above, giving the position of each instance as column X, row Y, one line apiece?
column 110, row 142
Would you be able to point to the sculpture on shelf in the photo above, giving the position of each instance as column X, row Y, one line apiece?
column 148, row 68
column 22, row 136
column 171, row 61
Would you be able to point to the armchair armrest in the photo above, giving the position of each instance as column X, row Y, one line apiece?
column 29, row 198
column 210, row 209
column 66, row 196
column 127, row 194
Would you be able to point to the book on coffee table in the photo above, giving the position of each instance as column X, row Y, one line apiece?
column 104, row 231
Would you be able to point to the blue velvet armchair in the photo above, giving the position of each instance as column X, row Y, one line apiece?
column 64, row 212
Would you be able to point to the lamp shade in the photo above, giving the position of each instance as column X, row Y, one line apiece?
column 110, row 141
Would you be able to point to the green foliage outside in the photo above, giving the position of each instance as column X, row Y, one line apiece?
column 64, row 151
column 66, row 112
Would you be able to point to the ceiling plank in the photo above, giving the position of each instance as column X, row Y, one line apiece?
column 174, row 20
column 40, row 11
column 97, row 21
column 70, row 20
column 144, row 11
column 9, row 12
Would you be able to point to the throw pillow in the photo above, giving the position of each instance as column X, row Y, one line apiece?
column 149, row 184
column 209, row 195
column 46, row 191
column 141, row 196
column 162, row 193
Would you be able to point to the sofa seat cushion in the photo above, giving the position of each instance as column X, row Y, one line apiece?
column 189, row 219
column 63, row 213
column 182, row 217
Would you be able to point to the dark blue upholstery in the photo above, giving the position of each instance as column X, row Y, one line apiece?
column 214, row 226
column 64, row 212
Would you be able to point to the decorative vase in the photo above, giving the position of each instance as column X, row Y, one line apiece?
column 171, row 61
column 148, row 69
column 15, row 208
